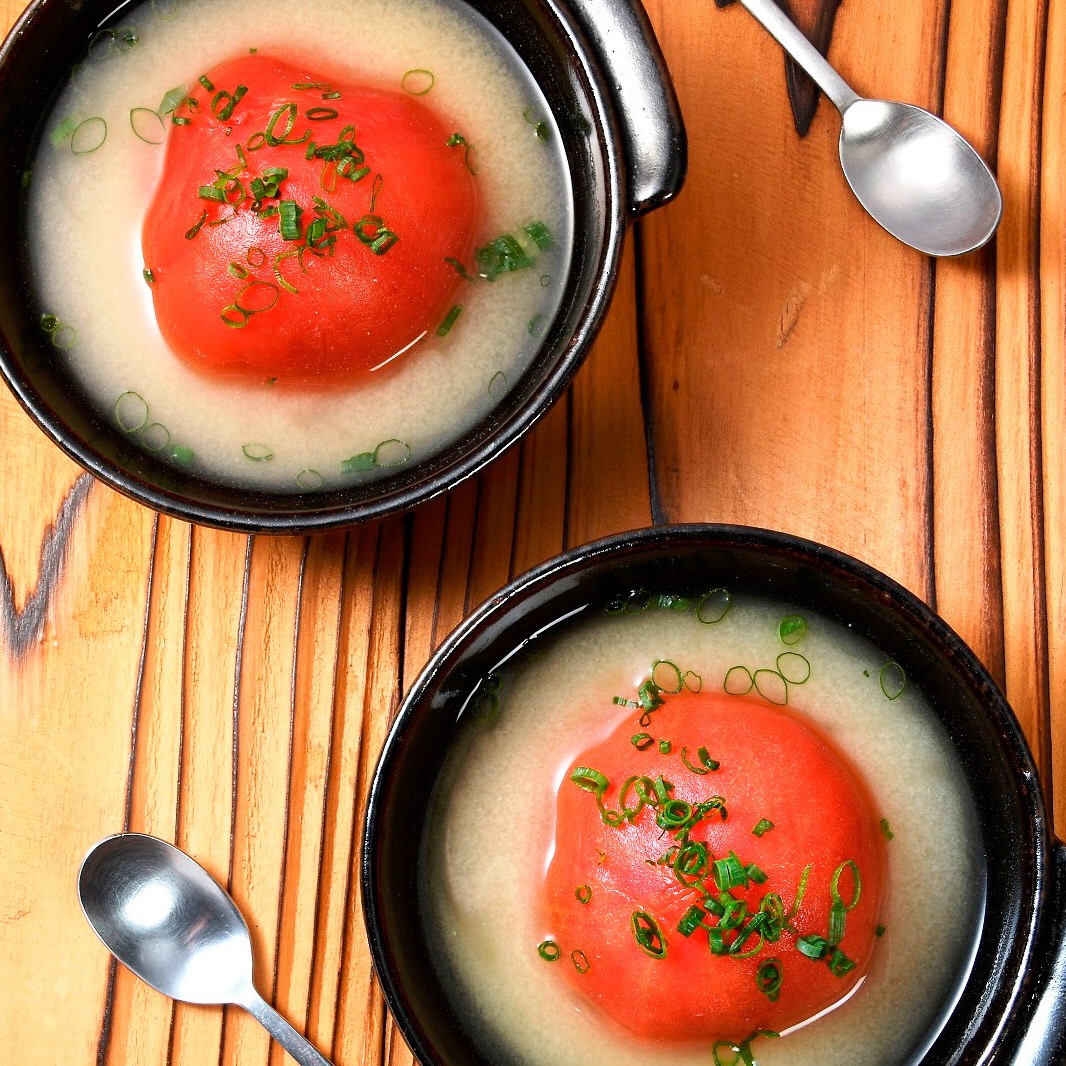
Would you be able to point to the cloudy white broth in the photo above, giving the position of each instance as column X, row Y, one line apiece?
column 526, row 765
column 99, row 169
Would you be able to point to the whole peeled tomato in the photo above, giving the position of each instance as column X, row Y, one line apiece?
column 302, row 224
column 742, row 830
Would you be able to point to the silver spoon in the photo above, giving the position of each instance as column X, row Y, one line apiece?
column 162, row 915
column 918, row 177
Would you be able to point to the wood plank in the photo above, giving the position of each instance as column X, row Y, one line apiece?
column 1052, row 267
column 808, row 369
column 966, row 544
column 1018, row 368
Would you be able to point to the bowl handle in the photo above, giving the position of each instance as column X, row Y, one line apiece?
column 652, row 129
column 1043, row 1041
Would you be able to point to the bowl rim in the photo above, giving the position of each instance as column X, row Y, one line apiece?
column 253, row 511
column 998, row 1015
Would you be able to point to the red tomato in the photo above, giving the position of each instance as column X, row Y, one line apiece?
column 774, row 766
column 367, row 287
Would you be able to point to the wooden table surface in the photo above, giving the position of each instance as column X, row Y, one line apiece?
column 771, row 358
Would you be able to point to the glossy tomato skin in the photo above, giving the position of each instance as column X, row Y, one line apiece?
column 352, row 309
column 774, row 766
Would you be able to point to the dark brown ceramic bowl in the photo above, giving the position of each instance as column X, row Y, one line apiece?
column 601, row 71
column 1010, row 1008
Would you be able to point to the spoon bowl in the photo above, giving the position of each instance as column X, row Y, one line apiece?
column 165, row 918
column 918, row 177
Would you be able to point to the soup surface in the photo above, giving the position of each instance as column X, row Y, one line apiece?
column 101, row 160
column 483, row 878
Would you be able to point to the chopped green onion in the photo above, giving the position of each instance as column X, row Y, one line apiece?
column 172, row 99
column 640, row 741
column 260, row 257
column 391, row 453
column 691, row 920
column 211, row 192
column 738, row 681
column 229, row 101
column 590, row 780
column 235, row 317
column 693, row 681
column 729, row 873
column 458, row 268
column 714, row 606
column 288, row 221
column 131, row 412
column 417, row 82
column 879, row 931
column 308, row 480
column 690, row 862
column 792, row 628
column 64, row 337
column 763, row 825
column 497, row 386
column 583, row 893
column 147, row 125
column 501, row 256
column 372, row 231
column 648, row 934
column 535, row 325
column 540, row 129
column 49, row 323
column 837, row 919
column 755, row 874
column 580, row 961
column 89, row 136
column 181, row 453
column 885, row 830
column 893, row 680
column 358, row 464
column 707, row 763
column 768, row 979
column 725, row 1045
column 206, row 82
column 793, row 667
column 449, row 320
column 155, row 438
column 667, row 677
column 321, row 114
column 834, row 885
column 621, row 701
column 664, row 747
column 771, row 686
column 64, row 131
column 149, row 277
column 541, row 235
column 549, row 950
column 258, row 453
column 331, row 95
column 545, row 280
column 300, row 86
column 801, row 891
column 196, row 227
column 270, row 134
column 814, row 947
column 839, row 964
column 648, row 694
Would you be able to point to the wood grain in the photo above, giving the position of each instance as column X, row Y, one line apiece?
column 771, row 358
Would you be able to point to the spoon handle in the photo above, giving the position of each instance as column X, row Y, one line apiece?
column 777, row 24
column 296, row 1045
